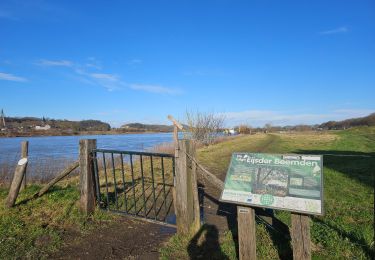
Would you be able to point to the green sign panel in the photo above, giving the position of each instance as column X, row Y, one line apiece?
column 287, row 182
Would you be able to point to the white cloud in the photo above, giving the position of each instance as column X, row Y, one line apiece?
column 105, row 76
column 261, row 117
column 350, row 113
column 11, row 77
column 155, row 89
column 342, row 29
column 135, row 61
column 93, row 63
column 63, row 63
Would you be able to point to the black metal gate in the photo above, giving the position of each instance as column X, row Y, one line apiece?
column 139, row 184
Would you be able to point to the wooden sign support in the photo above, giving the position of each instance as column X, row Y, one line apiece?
column 86, row 180
column 300, row 233
column 246, row 233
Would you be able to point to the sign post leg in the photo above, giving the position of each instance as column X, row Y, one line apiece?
column 246, row 233
column 300, row 234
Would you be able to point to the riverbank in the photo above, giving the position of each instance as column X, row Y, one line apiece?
column 71, row 133
column 39, row 228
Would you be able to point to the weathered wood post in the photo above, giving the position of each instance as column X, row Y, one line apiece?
column 24, row 154
column 246, row 233
column 300, row 233
column 187, row 204
column 16, row 183
column 87, row 184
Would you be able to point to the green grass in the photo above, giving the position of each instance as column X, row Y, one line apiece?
column 347, row 229
column 34, row 228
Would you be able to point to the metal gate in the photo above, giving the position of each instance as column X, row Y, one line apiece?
column 139, row 184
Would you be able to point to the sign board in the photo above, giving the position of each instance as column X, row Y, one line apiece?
column 287, row 182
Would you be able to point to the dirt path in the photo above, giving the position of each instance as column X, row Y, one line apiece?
column 122, row 239
column 224, row 215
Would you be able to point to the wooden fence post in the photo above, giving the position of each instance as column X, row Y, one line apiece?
column 187, row 204
column 300, row 234
column 24, row 154
column 87, row 184
column 16, row 183
column 246, row 233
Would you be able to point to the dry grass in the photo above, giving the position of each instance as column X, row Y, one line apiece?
column 38, row 171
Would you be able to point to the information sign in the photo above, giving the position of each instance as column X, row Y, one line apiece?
column 287, row 182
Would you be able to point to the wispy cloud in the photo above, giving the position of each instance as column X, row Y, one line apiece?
column 93, row 63
column 261, row 117
column 135, row 61
column 63, row 63
column 155, row 89
column 11, row 77
column 338, row 30
column 109, row 81
column 105, row 76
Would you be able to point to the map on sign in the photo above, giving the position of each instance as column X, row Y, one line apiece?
column 286, row 182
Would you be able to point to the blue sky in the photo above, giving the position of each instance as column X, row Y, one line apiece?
column 257, row 62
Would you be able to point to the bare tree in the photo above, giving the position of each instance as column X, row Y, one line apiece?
column 204, row 127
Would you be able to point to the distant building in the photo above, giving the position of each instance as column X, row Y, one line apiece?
column 2, row 115
column 46, row 127
column 230, row 132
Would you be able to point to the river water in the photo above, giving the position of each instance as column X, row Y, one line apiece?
column 49, row 154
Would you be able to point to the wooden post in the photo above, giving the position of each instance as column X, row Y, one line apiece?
column 300, row 234
column 24, row 154
column 193, row 192
column 246, row 233
column 176, row 126
column 16, row 183
column 187, row 205
column 87, row 201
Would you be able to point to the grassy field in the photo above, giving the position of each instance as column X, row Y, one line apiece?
column 37, row 227
column 347, row 229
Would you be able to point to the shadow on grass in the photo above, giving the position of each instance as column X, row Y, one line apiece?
column 278, row 231
column 205, row 244
column 358, row 166
column 224, row 209
column 32, row 193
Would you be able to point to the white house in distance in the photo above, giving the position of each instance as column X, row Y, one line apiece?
column 46, row 127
